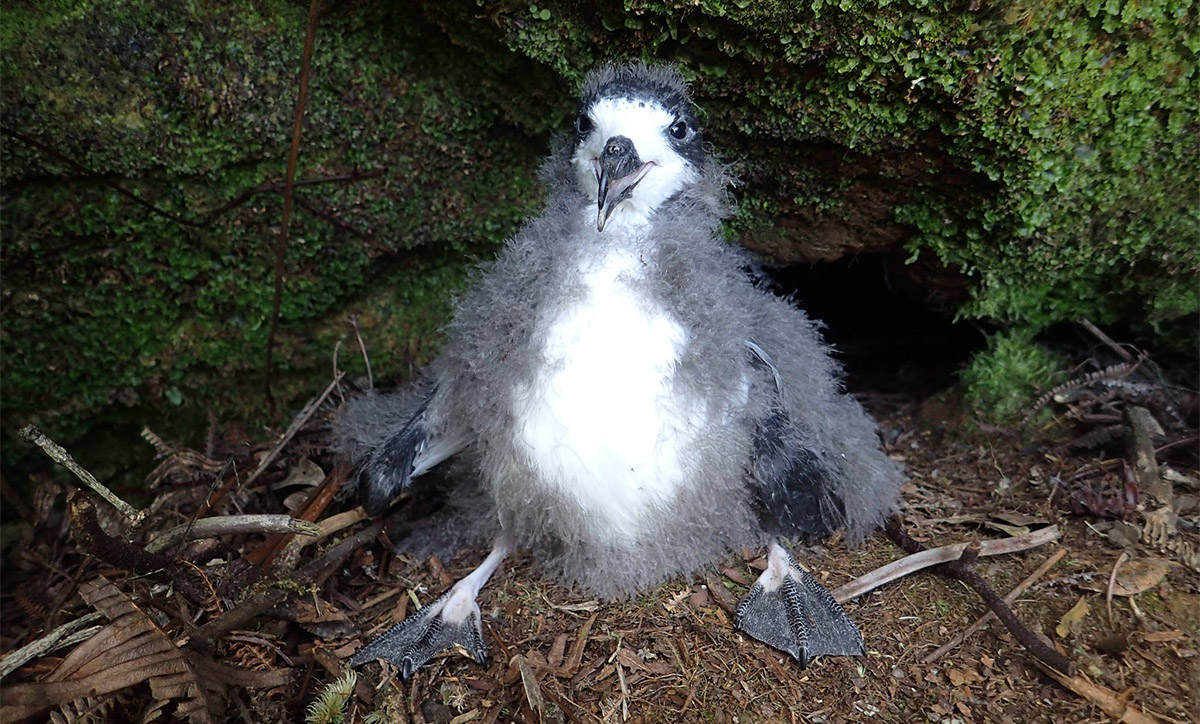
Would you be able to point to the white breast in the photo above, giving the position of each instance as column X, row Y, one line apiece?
column 600, row 423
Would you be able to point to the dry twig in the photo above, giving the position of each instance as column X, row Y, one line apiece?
column 924, row 558
column 314, row 11
column 297, row 423
column 231, row 524
column 69, row 633
column 63, row 458
column 983, row 620
column 963, row 569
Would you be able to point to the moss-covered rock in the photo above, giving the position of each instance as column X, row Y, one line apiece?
column 1047, row 150
column 1039, row 159
column 190, row 106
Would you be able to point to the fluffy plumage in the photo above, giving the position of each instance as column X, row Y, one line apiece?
column 628, row 404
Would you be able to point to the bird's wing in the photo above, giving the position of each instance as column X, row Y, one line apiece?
column 391, row 439
column 789, row 478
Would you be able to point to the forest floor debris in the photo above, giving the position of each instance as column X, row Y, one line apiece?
column 254, row 625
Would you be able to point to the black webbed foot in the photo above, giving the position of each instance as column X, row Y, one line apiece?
column 450, row 621
column 788, row 609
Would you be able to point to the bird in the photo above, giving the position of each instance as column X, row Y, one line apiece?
column 617, row 395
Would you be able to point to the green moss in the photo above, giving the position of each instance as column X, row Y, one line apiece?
column 1045, row 150
column 1003, row 382
column 109, row 305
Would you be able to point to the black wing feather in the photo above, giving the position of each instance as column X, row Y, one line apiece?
column 790, row 479
column 388, row 471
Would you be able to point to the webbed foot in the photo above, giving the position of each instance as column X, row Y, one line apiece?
column 451, row 621
column 788, row 609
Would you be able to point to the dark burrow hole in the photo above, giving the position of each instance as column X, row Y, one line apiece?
column 892, row 344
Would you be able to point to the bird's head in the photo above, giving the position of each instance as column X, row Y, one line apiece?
column 637, row 142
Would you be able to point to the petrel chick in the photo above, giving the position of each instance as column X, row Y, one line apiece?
column 624, row 402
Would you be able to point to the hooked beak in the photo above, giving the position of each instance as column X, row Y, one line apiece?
column 618, row 171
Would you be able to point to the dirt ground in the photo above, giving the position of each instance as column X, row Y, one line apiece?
column 671, row 655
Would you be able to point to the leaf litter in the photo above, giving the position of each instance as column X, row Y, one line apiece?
column 253, row 626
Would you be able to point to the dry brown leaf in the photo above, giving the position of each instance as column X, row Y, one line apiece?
column 557, row 651
column 736, row 576
column 1012, row 530
column 89, row 710
column 630, row 660
column 304, row 473
column 129, row 651
column 1013, row 517
column 1072, row 617
column 529, row 682
column 1159, row 637
column 1139, row 576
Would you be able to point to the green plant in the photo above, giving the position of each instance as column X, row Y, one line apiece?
column 1003, row 381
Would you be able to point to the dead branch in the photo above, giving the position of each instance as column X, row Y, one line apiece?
column 924, row 558
column 274, row 188
column 986, row 618
column 69, row 633
column 230, row 524
column 94, row 541
column 362, row 346
column 963, row 569
column 63, row 458
column 1108, row 341
column 95, row 176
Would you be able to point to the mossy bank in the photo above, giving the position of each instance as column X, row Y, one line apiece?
column 1026, row 163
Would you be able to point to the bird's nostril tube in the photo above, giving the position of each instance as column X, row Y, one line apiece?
column 618, row 147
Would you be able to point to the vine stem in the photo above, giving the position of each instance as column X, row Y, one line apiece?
column 314, row 9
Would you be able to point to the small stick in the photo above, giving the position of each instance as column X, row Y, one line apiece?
column 64, row 635
column 56, row 453
column 297, row 423
column 230, row 524
column 1087, row 324
column 337, row 347
column 318, row 500
column 938, row 556
column 289, row 185
column 363, row 346
column 1112, row 583
column 964, row 570
column 986, row 618
column 337, row 522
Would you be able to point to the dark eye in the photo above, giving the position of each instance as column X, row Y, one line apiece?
column 583, row 124
column 680, row 130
